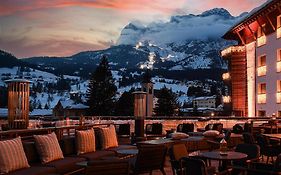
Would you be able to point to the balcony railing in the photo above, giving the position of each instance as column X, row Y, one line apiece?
column 261, row 71
column 261, row 98
column 278, row 97
column 278, row 66
column 232, row 49
column 226, row 99
column 278, row 32
column 261, row 41
column 226, row 76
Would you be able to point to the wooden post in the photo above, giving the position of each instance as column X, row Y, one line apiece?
column 139, row 113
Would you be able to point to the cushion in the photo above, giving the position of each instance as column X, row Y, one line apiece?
column 85, row 141
column 66, row 165
column 12, row 156
column 31, row 152
column 34, row 170
column 122, row 147
column 48, row 147
column 97, row 154
column 109, row 138
column 211, row 133
column 179, row 135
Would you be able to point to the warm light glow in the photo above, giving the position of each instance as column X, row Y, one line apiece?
column 261, row 71
column 278, row 97
column 261, row 98
column 226, row 76
column 278, row 64
column 226, row 99
column 261, row 41
column 279, row 32
column 231, row 50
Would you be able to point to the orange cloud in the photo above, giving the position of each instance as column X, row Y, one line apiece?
column 165, row 6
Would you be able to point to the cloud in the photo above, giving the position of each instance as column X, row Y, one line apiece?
column 26, row 47
column 10, row 7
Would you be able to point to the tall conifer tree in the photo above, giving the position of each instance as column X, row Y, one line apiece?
column 102, row 90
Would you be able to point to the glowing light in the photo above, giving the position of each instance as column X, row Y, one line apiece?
column 261, row 41
column 279, row 32
column 226, row 99
column 261, row 98
column 226, row 76
column 261, row 71
column 232, row 49
column 278, row 97
column 278, row 66
column 138, row 45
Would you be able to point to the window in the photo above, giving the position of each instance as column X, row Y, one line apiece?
column 261, row 66
column 279, row 26
column 261, row 113
column 261, row 35
column 279, row 114
column 278, row 93
column 261, row 93
column 278, row 64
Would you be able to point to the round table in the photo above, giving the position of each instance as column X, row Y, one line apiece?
column 229, row 156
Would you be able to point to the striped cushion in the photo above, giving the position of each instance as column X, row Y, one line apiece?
column 48, row 147
column 108, row 137
column 12, row 156
column 85, row 141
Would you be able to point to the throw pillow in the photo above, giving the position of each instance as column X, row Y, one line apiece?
column 108, row 137
column 85, row 141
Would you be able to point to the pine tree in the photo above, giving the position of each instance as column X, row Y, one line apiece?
column 167, row 103
column 101, row 90
column 125, row 104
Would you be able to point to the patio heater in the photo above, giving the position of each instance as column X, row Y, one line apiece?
column 18, row 103
column 139, row 113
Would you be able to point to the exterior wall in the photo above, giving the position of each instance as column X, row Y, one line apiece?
column 148, row 89
column 271, row 77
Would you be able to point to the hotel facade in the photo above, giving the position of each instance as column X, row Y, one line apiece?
column 254, row 75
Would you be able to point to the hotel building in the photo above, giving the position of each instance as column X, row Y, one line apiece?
column 255, row 63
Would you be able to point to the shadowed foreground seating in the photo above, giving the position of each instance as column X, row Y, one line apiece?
column 176, row 152
column 108, row 167
column 215, row 144
column 248, row 138
column 149, row 158
column 185, row 127
column 195, row 166
column 267, row 149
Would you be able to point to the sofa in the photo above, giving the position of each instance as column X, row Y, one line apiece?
column 67, row 165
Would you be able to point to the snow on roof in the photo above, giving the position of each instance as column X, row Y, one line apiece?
column 205, row 98
column 70, row 104
column 250, row 14
column 41, row 112
column 3, row 112
column 78, row 106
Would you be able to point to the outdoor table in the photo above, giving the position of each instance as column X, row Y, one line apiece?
column 273, row 136
column 225, row 158
column 127, row 153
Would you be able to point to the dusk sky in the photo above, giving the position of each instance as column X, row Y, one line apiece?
column 65, row 27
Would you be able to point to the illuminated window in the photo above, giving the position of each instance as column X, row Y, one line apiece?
column 261, row 113
column 279, row 26
column 261, row 36
column 278, row 60
column 261, row 93
column 262, row 65
column 279, row 114
column 278, row 93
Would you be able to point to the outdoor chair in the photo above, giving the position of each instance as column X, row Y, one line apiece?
column 176, row 152
column 123, row 129
column 149, row 158
column 108, row 167
column 196, row 166
column 253, row 152
column 248, row 138
column 237, row 129
column 153, row 129
column 185, row 127
column 267, row 149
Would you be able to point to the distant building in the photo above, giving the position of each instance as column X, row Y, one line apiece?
column 69, row 108
column 41, row 112
column 204, row 102
column 4, row 113
column 254, row 73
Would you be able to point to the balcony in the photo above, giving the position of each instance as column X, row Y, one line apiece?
column 226, row 99
column 261, row 71
column 278, row 97
column 232, row 49
column 278, row 32
column 261, row 41
column 226, row 76
column 261, row 98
